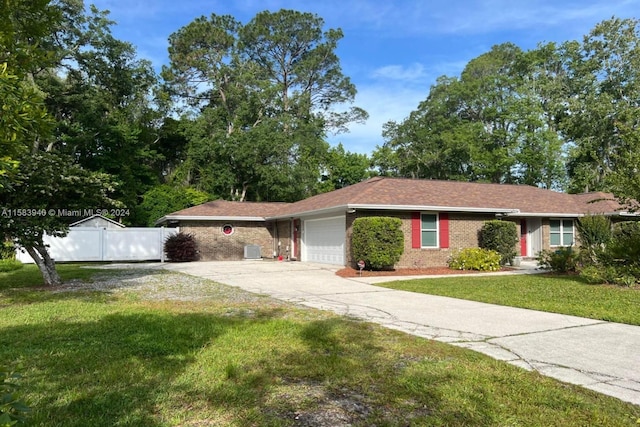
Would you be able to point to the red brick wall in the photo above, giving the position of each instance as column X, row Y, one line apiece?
column 215, row 246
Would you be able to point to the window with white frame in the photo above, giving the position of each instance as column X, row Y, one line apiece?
column 429, row 230
column 561, row 232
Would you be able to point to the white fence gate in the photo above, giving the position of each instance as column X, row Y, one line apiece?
column 99, row 244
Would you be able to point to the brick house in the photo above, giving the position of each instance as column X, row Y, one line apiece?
column 438, row 217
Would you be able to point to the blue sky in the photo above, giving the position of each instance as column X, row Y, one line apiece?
column 392, row 50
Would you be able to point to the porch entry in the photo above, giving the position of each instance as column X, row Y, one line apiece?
column 530, row 237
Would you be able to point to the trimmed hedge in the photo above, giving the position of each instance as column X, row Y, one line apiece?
column 378, row 241
column 500, row 236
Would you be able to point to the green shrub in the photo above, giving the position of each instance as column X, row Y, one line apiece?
column 562, row 260
column 595, row 234
column 500, row 236
column 475, row 259
column 378, row 241
column 625, row 243
column 9, row 265
column 610, row 275
column 181, row 247
column 13, row 411
column 7, row 250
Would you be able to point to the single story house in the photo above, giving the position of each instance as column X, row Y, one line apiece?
column 438, row 217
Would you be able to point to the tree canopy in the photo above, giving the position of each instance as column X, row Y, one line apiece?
column 262, row 98
column 560, row 116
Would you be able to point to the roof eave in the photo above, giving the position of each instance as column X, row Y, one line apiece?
column 169, row 218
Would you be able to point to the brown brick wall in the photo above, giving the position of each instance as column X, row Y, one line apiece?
column 283, row 236
column 463, row 233
column 215, row 246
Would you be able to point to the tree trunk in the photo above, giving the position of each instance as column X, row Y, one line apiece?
column 46, row 265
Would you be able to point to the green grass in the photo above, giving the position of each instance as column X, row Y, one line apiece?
column 102, row 359
column 554, row 293
column 30, row 276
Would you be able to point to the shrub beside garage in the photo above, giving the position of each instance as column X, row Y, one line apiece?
column 378, row 241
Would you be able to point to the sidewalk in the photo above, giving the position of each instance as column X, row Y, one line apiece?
column 598, row 355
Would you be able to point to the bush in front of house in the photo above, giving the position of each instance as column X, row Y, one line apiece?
column 500, row 236
column 618, row 262
column 181, row 247
column 561, row 260
column 378, row 241
column 595, row 234
column 475, row 259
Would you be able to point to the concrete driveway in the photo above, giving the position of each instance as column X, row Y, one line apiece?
column 598, row 355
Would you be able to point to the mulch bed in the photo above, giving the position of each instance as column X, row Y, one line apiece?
column 352, row 272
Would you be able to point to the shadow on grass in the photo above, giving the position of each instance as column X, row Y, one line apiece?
column 108, row 372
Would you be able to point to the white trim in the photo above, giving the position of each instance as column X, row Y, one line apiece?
column 550, row 215
column 562, row 233
column 437, row 230
column 350, row 207
column 434, row 208
column 208, row 218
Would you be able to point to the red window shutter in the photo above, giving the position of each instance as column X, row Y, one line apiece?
column 416, row 227
column 444, row 230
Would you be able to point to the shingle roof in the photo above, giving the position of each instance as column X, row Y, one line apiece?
column 224, row 208
column 398, row 193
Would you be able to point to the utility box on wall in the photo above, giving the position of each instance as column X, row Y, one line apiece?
column 252, row 252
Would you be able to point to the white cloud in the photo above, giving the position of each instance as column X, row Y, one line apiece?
column 411, row 73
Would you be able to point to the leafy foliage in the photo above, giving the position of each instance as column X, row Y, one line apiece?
column 500, row 236
column 625, row 247
column 164, row 199
column 475, row 259
column 181, row 247
column 272, row 87
column 378, row 241
column 562, row 260
column 560, row 116
column 13, row 410
column 7, row 250
column 595, row 233
column 9, row 265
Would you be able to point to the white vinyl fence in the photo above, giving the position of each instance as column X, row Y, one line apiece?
column 99, row 244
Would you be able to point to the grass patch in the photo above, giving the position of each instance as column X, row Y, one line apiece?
column 546, row 292
column 30, row 276
column 105, row 359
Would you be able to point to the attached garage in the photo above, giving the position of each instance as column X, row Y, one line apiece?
column 323, row 240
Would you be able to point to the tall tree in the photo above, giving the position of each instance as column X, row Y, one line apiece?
column 53, row 175
column 47, row 187
column 102, row 106
column 263, row 97
column 604, row 79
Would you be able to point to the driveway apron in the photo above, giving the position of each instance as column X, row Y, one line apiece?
column 598, row 355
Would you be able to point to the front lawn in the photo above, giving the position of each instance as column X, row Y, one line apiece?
column 546, row 292
column 203, row 354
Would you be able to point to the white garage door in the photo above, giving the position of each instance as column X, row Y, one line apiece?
column 324, row 240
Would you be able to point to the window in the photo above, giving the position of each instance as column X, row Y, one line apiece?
column 429, row 230
column 227, row 229
column 561, row 232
